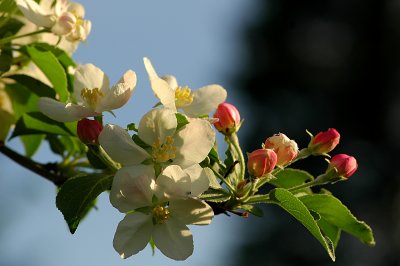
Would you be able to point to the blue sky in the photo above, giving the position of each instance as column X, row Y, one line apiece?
column 199, row 43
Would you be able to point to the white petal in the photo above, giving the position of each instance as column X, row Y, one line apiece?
column 63, row 112
column 199, row 179
column 191, row 211
column 89, row 76
column 157, row 124
column 194, row 141
column 132, row 187
column 119, row 93
column 171, row 80
column 35, row 13
column 173, row 182
column 205, row 100
column 119, row 145
column 173, row 239
column 133, row 233
column 160, row 87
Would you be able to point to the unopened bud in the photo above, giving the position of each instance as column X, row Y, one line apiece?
column 324, row 142
column 228, row 119
column 285, row 148
column 345, row 165
column 89, row 131
column 261, row 162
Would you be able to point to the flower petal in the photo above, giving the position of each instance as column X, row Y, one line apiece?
column 119, row 93
column 173, row 239
column 35, row 13
column 63, row 112
column 194, row 141
column 191, row 211
column 133, row 233
column 199, row 179
column 171, row 80
column 160, row 87
column 118, row 144
column 132, row 188
column 157, row 124
column 173, row 182
column 205, row 100
column 89, row 76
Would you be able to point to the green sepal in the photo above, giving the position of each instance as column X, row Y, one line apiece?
column 181, row 120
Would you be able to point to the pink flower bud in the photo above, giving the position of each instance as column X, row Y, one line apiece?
column 261, row 162
column 228, row 119
column 345, row 165
column 324, row 142
column 285, row 148
column 89, row 131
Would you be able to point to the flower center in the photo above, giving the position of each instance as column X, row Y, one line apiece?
column 163, row 152
column 183, row 97
column 91, row 96
column 160, row 215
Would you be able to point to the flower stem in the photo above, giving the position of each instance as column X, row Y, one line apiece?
column 10, row 38
column 233, row 139
column 38, row 168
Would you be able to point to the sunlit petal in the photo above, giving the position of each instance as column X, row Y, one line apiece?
column 173, row 239
column 35, row 13
column 173, row 182
column 156, row 125
column 89, row 76
column 133, row 233
column 199, row 179
column 191, row 211
column 205, row 100
column 119, row 145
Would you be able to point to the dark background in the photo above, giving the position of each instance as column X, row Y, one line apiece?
column 315, row 65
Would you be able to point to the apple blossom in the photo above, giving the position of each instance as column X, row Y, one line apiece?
column 285, row 148
column 163, row 220
column 65, row 19
column 324, row 142
column 92, row 95
column 193, row 103
column 157, row 129
column 228, row 119
column 261, row 162
column 345, row 165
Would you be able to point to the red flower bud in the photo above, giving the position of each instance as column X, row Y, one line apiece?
column 324, row 142
column 285, row 148
column 261, row 162
column 228, row 118
column 89, row 131
column 345, row 165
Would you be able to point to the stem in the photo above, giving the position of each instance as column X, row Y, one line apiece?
column 38, row 168
column 9, row 39
column 226, row 182
column 258, row 199
column 233, row 139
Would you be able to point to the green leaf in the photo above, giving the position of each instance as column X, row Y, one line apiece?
column 330, row 230
column 132, row 127
column 298, row 210
column 7, row 6
column 37, row 87
column 334, row 212
column 94, row 160
column 5, row 61
column 215, row 195
column 289, row 177
column 38, row 123
column 182, row 120
column 75, row 198
column 140, row 142
column 22, row 99
column 31, row 143
column 52, row 68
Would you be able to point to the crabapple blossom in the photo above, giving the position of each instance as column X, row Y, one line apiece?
column 324, row 142
column 228, row 119
column 261, row 162
column 345, row 165
column 285, row 148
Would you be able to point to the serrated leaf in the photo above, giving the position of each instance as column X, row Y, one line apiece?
column 31, row 143
column 181, row 120
column 289, row 177
column 75, row 198
column 48, row 63
column 36, row 123
column 330, row 230
column 215, row 195
column 334, row 212
column 298, row 210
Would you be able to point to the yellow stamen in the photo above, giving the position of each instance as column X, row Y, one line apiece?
column 160, row 215
column 91, row 96
column 183, row 97
column 163, row 152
